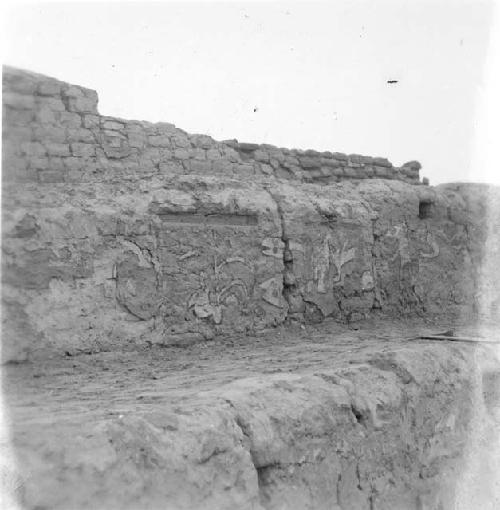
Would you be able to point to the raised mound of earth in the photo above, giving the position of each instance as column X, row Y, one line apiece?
column 316, row 417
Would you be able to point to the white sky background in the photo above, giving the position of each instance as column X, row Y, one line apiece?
column 316, row 73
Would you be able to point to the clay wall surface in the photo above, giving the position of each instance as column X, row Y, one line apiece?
column 120, row 233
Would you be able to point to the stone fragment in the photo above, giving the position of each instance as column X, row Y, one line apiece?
column 197, row 153
column 202, row 141
column 355, row 158
column 57, row 149
column 312, row 153
column 70, row 119
column 45, row 115
column 85, row 150
column 266, row 169
column 83, row 104
column 274, row 163
column 222, row 166
column 181, row 142
column 181, row 154
column 247, row 147
column 137, row 140
column 73, row 163
column 50, row 134
column 231, row 143
column 164, row 128
column 244, row 169
column 15, row 80
column 366, row 160
column 308, row 162
column 81, row 135
column 159, row 141
column 49, row 88
column 38, row 163
column 91, row 121
column 381, row 171
column 18, row 101
column 213, row 154
column 315, row 173
column 334, row 163
column 113, row 125
column 16, row 170
column 31, row 149
column 382, row 162
column 52, row 176
column 369, row 171
column 73, row 91
column 340, row 156
column 52, row 103
column 14, row 117
column 17, row 134
column 261, row 156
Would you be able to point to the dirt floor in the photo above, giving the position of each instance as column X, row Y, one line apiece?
column 113, row 382
column 70, row 393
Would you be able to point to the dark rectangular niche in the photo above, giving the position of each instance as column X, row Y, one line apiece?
column 425, row 209
column 191, row 218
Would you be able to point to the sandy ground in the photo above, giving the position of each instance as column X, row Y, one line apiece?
column 107, row 383
column 73, row 392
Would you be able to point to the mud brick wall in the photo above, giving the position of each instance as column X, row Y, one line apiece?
column 55, row 134
column 118, row 233
column 323, row 167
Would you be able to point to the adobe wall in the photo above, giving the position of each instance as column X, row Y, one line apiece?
column 57, row 135
column 121, row 233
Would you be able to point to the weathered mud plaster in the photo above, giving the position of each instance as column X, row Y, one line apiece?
column 123, row 232
column 385, row 429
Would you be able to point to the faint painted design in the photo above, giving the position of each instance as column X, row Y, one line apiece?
column 400, row 233
column 218, row 291
column 322, row 265
column 432, row 243
column 367, row 282
column 331, row 255
column 188, row 255
column 406, row 270
column 456, row 240
column 273, row 247
column 295, row 246
column 272, row 291
column 328, row 255
column 340, row 257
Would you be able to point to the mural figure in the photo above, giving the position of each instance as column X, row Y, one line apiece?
column 431, row 241
column 273, row 289
column 457, row 239
column 273, row 247
column 321, row 266
column 341, row 256
column 406, row 265
column 330, row 255
column 219, row 290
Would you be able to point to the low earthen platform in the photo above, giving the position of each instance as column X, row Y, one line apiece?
column 299, row 417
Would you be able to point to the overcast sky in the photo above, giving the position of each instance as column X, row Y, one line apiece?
column 304, row 75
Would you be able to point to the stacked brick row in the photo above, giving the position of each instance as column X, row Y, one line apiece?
column 52, row 132
column 314, row 166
